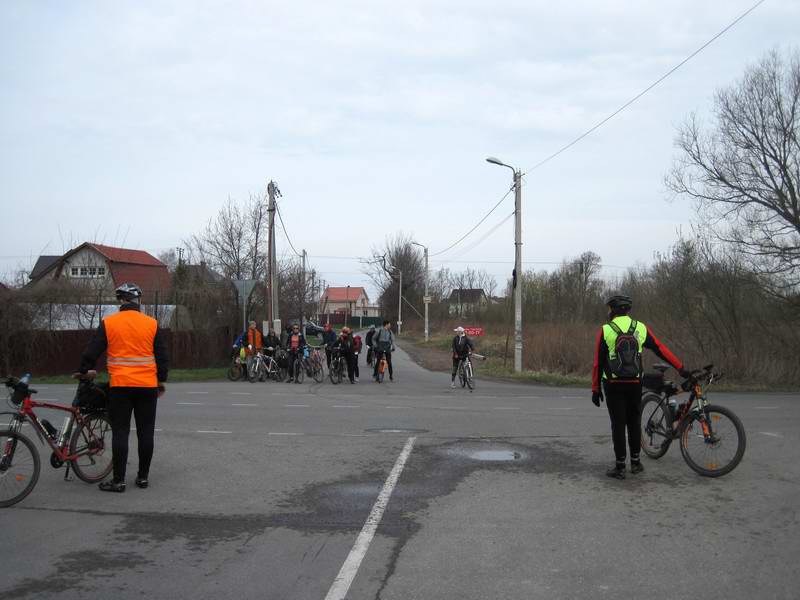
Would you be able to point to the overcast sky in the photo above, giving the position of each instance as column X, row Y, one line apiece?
column 132, row 123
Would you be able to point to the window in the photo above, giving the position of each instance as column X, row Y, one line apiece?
column 87, row 272
column 366, row 313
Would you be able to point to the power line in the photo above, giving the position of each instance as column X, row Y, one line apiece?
column 647, row 89
column 478, row 224
column 286, row 233
column 485, row 236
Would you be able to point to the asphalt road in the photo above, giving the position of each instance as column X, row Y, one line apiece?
column 262, row 491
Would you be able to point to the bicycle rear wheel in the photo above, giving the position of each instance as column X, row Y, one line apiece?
column 713, row 441
column 656, row 427
column 92, row 443
column 19, row 467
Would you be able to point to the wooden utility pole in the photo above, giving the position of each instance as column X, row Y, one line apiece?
column 270, row 289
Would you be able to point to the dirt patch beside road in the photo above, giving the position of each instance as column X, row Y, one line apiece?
column 433, row 359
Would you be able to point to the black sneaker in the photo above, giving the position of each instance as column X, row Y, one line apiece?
column 112, row 486
column 142, row 482
column 617, row 472
column 636, row 467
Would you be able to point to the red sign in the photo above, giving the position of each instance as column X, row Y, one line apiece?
column 473, row 331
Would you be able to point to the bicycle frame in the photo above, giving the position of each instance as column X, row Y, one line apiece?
column 26, row 411
column 695, row 405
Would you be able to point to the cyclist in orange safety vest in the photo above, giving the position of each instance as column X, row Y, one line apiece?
column 137, row 368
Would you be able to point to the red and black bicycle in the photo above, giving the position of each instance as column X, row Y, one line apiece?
column 83, row 442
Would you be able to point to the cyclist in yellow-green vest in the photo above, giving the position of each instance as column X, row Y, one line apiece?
column 617, row 371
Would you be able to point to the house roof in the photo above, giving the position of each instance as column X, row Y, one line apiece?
column 125, row 255
column 149, row 278
column 467, row 295
column 202, row 272
column 43, row 263
column 344, row 294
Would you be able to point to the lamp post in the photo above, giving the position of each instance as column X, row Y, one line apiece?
column 399, row 301
column 426, row 299
column 517, row 261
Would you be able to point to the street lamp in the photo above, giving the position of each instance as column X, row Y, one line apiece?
column 426, row 299
column 517, row 261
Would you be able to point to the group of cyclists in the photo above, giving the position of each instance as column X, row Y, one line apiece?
column 378, row 341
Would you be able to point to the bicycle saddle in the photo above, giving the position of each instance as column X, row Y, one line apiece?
column 661, row 367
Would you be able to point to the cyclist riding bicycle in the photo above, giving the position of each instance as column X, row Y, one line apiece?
column 462, row 347
column 383, row 344
column 255, row 343
column 295, row 345
column 346, row 346
column 328, row 340
column 618, row 366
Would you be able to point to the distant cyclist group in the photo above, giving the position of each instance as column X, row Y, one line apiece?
column 293, row 347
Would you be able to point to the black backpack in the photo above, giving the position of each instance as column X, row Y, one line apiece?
column 627, row 364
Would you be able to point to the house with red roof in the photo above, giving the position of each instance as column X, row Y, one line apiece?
column 349, row 301
column 100, row 269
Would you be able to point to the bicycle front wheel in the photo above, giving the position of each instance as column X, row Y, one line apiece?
column 92, row 445
column 235, row 372
column 468, row 376
column 299, row 371
column 656, row 427
column 19, row 467
column 713, row 441
column 319, row 374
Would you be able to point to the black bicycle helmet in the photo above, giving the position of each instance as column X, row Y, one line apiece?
column 129, row 292
column 620, row 302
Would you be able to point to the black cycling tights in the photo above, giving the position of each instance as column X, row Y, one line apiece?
column 624, row 404
column 142, row 403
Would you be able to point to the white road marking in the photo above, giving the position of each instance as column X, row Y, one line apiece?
column 296, row 405
column 506, row 408
column 766, row 407
column 771, row 434
column 47, row 399
column 346, row 406
column 241, row 393
column 282, row 433
column 196, row 392
column 356, row 435
column 397, row 407
column 571, row 397
column 191, row 403
column 206, row 431
column 234, row 404
column 347, row 573
column 560, row 408
column 157, row 429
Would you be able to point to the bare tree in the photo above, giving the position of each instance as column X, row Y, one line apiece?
column 397, row 254
column 232, row 241
column 744, row 172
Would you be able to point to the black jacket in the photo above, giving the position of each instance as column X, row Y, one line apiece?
column 99, row 344
column 462, row 345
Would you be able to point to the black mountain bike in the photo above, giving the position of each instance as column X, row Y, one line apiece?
column 712, row 437
column 338, row 367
